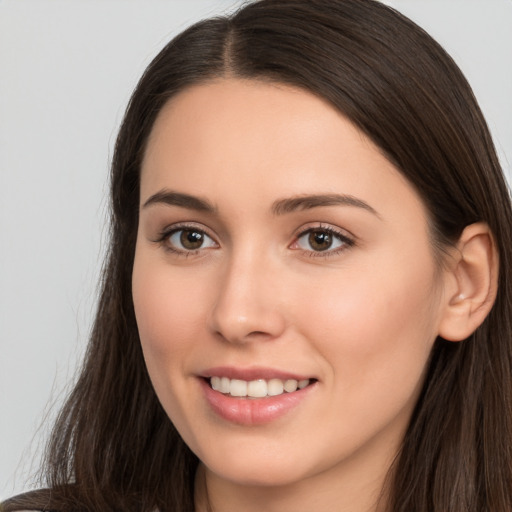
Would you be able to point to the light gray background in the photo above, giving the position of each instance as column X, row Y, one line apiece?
column 66, row 72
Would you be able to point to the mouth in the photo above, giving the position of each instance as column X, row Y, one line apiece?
column 256, row 395
column 257, row 388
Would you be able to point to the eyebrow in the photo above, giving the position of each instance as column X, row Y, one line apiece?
column 279, row 207
column 178, row 199
column 306, row 202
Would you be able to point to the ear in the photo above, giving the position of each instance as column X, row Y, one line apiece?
column 471, row 284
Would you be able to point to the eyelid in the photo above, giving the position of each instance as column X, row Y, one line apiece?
column 165, row 233
column 348, row 239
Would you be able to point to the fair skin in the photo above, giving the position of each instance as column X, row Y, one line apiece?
column 236, row 276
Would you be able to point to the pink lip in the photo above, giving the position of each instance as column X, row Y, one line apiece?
column 252, row 411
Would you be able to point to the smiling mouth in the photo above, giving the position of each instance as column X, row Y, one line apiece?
column 259, row 388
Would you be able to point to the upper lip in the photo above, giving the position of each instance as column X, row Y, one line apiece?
column 252, row 373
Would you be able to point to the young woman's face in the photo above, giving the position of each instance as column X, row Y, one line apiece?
column 277, row 249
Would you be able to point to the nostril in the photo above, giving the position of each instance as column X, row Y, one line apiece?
column 258, row 333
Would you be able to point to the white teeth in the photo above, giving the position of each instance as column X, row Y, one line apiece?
column 215, row 383
column 290, row 385
column 303, row 383
column 224, row 385
column 275, row 387
column 256, row 388
column 238, row 387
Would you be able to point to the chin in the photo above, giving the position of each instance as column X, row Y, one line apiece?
column 259, row 465
column 266, row 474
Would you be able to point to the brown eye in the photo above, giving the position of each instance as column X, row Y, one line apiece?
column 190, row 240
column 320, row 240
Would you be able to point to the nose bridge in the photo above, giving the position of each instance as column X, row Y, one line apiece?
column 246, row 305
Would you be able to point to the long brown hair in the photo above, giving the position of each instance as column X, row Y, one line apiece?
column 114, row 448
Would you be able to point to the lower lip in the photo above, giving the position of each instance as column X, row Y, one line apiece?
column 253, row 411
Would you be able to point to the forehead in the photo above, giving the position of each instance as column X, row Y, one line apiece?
column 237, row 138
column 228, row 119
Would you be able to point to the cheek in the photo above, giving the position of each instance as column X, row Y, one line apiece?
column 168, row 313
column 169, row 316
column 376, row 328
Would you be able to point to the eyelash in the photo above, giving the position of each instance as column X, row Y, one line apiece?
column 346, row 241
column 166, row 234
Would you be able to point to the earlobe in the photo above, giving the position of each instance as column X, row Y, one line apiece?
column 472, row 283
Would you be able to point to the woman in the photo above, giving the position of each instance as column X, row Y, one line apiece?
column 307, row 302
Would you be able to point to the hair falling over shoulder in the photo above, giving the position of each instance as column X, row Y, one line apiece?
column 114, row 448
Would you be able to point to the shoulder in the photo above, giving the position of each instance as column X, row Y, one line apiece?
column 33, row 501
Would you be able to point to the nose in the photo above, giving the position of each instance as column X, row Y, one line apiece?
column 247, row 305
